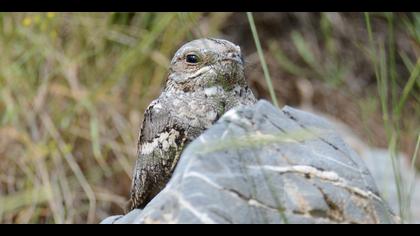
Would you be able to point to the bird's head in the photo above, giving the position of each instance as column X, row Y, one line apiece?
column 205, row 63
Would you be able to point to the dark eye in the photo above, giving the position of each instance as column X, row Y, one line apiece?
column 192, row 58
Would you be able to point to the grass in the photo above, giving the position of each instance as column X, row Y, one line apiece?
column 267, row 76
column 73, row 87
column 392, row 104
column 327, row 67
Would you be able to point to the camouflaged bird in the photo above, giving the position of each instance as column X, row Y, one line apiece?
column 206, row 79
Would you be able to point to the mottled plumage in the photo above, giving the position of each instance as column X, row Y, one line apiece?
column 206, row 78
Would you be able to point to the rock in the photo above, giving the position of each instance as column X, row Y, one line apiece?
column 262, row 165
column 380, row 165
column 123, row 219
column 113, row 219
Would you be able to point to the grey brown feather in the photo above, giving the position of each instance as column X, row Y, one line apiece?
column 206, row 78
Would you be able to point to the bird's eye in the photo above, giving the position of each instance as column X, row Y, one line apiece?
column 192, row 58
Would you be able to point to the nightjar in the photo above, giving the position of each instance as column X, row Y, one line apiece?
column 206, row 79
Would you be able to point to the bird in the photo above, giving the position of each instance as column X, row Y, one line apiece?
column 205, row 79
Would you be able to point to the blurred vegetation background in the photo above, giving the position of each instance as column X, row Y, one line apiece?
column 73, row 88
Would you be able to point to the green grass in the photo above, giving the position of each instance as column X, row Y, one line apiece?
column 327, row 67
column 392, row 104
column 267, row 76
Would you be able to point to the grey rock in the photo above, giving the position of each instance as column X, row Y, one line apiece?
column 113, row 219
column 259, row 164
column 380, row 165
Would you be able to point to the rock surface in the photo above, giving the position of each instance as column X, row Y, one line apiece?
column 262, row 165
column 380, row 165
